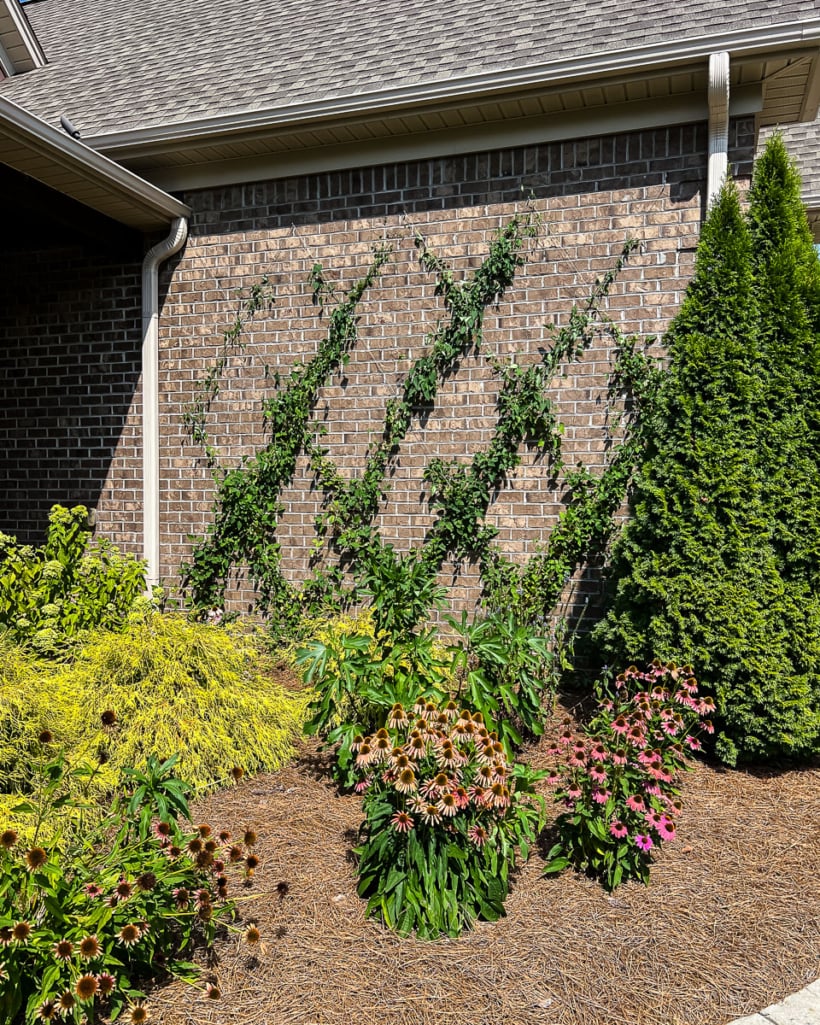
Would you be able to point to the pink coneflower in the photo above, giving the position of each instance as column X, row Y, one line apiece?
column 461, row 796
column 619, row 756
column 478, row 835
column 123, row 890
column 36, row 857
column 431, row 814
column 5, row 936
column 600, row 796
column 693, row 744
column 619, row 724
column 576, row 761
column 565, row 737
column 708, row 725
column 666, row 828
column 476, row 793
column 706, row 705
column 107, row 983
column 652, row 789
column 644, row 843
column 67, row 1003
column 63, row 949
column 597, row 773
column 500, row 795
column 598, row 753
column 553, row 779
column 47, row 1011
column 635, row 735
column 579, row 746
column 653, row 818
column 447, row 805
column 574, row 792
column 21, row 932
column 635, row 803
column 381, row 748
column 618, row 829
column 402, row 822
column 182, row 896
column 363, row 784
column 675, row 806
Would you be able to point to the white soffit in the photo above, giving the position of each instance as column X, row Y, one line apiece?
column 34, row 148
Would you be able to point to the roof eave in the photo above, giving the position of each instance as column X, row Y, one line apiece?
column 590, row 67
column 35, row 148
column 25, row 35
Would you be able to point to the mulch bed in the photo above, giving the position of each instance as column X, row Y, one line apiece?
column 728, row 925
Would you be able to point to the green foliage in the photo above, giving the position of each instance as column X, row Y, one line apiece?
column 404, row 587
column 446, row 818
column 86, row 920
column 50, row 596
column 162, row 685
column 702, row 572
column 618, row 781
column 155, row 792
column 504, row 669
column 358, row 672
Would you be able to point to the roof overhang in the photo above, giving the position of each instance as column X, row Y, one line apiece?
column 34, row 148
column 20, row 49
column 775, row 74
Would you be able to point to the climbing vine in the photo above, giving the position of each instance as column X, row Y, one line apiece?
column 248, row 504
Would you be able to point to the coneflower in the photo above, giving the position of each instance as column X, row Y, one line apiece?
column 139, row 1014
column 252, row 935
column 89, row 948
column 129, row 935
column 63, row 949
column 249, row 838
column 106, row 982
column 21, row 932
column 8, row 838
column 87, row 987
column 212, row 991
column 47, row 1011
column 36, row 857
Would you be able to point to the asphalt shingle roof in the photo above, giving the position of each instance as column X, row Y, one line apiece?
column 122, row 65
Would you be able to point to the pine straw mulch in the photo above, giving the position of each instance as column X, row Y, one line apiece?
column 729, row 924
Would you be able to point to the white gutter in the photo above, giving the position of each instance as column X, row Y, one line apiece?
column 632, row 60
column 718, row 95
column 150, row 391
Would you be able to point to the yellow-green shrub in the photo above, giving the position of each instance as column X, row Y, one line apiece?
column 177, row 686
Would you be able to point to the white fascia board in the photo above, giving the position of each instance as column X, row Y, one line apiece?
column 811, row 101
column 633, row 116
column 64, row 151
column 634, row 60
column 26, row 33
column 5, row 62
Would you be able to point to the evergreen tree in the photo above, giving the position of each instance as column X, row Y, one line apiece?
column 787, row 274
column 695, row 575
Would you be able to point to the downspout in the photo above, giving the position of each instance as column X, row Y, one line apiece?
column 718, row 98
column 150, row 392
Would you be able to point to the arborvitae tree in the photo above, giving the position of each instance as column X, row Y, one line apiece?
column 787, row 275
column 695, row 574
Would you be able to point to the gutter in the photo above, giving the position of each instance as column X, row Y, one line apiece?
column 718, row 98
column 150, row 392
column 634, row 60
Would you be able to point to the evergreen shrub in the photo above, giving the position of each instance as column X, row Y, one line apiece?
column 710, row 568
column 168, row 686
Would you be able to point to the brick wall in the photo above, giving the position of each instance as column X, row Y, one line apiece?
column 69, row 366
column 591, row 194
column 73, row 363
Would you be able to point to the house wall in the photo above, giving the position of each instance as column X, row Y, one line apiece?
column 591, row 195
column 70, row 312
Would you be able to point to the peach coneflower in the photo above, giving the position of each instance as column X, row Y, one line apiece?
column 431, row 814
column 416, row 746
column 21, row 932
column 47, row 1011
column 36, row 857
column 478, row 835
column 86, row 988
column 406, row 781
